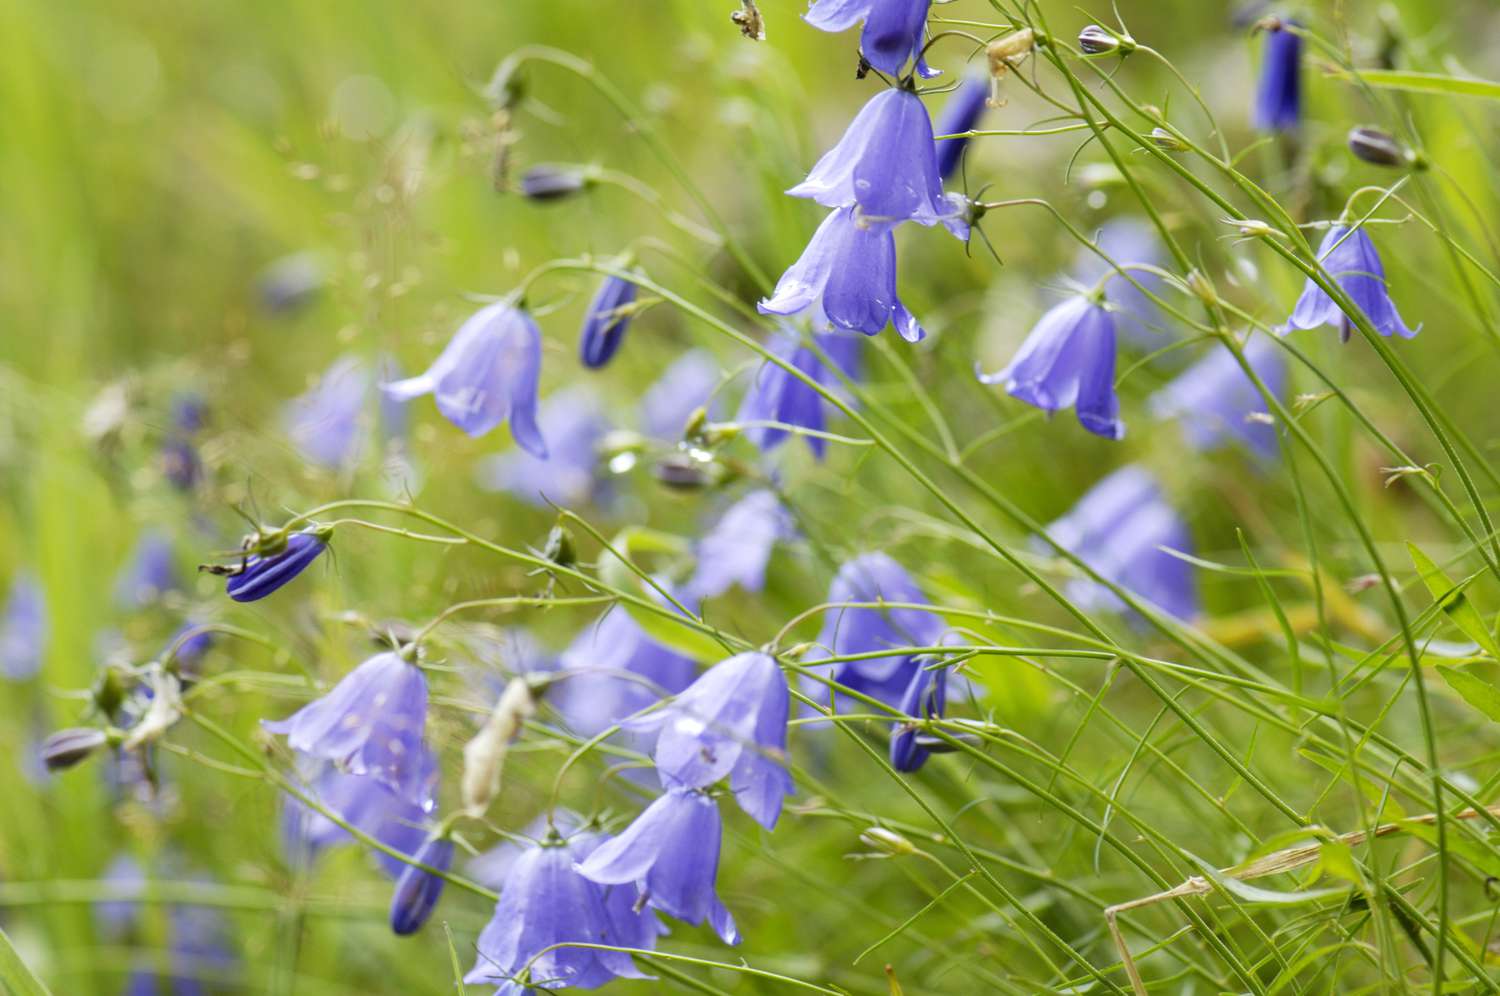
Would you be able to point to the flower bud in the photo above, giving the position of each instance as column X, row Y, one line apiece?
column 560, row 549
column 1096, row 40
column 1377, row 148
column 1163, row 139
column 66, row 748
column 887, row 842
column 507, row 87
column 552, row 183
column 275, row 565
column 417, row 891
column 682, row 473
column 484, row 756
column 1203, row 288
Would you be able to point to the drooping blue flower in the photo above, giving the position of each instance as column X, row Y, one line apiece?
column 327, row 422
column 616, row 670
column 776, row 396
column 149, row 573
column 491, row 868
column 738, row 547
column 730, row 723
column 858, row 629
column 1278, row 97
column 1350, row 258
column 605, row 324
column 1127, row 241
column 885, row 167
column 371, row 723
column 574, row 421
column 671, row 853
column 1217, row 404
column 926, row 697
column 417, row 891
column 545, row 908
column 23, row 629
column 489, row 372
column 687, row 385
column 1118, row 528
column 845, row 279
column 961, row 113
column 894, row 31
column 1068, row 361
column 265, row 574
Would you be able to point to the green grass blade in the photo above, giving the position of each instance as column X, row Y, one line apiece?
column 14, row 975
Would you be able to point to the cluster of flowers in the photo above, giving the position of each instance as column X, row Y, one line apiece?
column 574, row 898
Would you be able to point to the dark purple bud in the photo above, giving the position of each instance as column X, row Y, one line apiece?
column 1096, row 40
column 263, row 575
column 66, row 748
column 605, row 324
column 682, row 473
column 552, row 183
column 1376, row 147
column 417, row 891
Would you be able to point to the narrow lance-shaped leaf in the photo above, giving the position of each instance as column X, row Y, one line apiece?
column 1454, row 603
column 1473, row 689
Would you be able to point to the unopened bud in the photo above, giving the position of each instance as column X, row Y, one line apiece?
column 552, row 183
column 1203, row 288
column 1253, row 228
column 682, row 473
column 417, row 891
column 66, row 748
column 560, row 549
column 507, row 87
column 484, row 756
column 1377, row 148
column 697, row 418
column 887, row 841
column 1163, row 139
column 1096, row 40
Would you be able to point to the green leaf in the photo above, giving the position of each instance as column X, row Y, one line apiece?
column 1454, row 603
column 1401, row 79
column 1473, row 689
column 17, row 979
column 1338, row 860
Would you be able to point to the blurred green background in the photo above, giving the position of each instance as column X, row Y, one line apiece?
column 156, row 158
